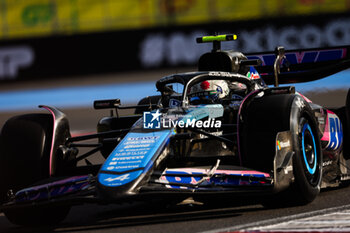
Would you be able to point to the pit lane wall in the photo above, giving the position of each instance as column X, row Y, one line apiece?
column 55, row 38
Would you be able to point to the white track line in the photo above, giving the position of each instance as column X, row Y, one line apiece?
column 334, row 222
column 321, row 214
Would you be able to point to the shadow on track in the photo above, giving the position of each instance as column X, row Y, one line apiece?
column 95, row 217
column 158, row 217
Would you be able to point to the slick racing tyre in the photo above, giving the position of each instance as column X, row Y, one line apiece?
column 307, row 158
column 25, row 145
column 307, row 162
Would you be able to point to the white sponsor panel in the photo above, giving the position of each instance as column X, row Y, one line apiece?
column 127, row 167
column 136, row 150
column 129, row 162
column 137, row 146
column 127, row 158
column 285, row 144
column 143, row 138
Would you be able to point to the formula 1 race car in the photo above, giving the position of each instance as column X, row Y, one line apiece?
column 221, row 131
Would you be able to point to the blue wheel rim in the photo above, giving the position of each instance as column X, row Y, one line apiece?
column 313, row 169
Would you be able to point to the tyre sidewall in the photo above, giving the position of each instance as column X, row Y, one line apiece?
column 25, row 148
column 26, row 142
column 303, row 190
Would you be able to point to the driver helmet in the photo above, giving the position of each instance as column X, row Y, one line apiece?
column 210, row 90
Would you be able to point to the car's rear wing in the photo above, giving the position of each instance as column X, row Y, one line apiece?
column 303, row 65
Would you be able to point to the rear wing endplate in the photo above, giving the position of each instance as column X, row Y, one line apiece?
column 303, row 65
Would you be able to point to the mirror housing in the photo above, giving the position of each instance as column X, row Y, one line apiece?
column 280, row 55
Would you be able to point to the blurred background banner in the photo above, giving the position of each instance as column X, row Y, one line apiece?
column 56, row 38
column 31, row 18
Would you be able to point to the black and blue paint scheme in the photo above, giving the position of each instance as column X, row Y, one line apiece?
column 134, row 157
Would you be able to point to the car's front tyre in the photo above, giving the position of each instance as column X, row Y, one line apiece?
column 307, row 163
column 25, row 145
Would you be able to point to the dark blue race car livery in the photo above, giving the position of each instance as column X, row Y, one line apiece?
column 259, row 138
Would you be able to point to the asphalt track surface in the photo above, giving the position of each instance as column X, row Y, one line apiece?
column 141, row 217
column 158, row 217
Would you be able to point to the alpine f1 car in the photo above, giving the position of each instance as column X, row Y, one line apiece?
column 221, row 131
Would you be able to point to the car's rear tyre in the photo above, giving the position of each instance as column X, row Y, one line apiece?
column 25, row 145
